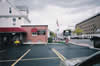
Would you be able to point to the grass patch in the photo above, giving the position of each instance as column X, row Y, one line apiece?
column 60, row 42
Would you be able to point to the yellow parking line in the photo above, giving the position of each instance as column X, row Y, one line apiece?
column 20, row 57
column 59, row 54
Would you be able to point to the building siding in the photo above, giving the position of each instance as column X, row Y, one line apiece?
column 90, row 26
column 37, row 38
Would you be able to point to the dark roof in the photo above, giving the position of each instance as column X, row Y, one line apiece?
column 32, row 25
column 89, row 19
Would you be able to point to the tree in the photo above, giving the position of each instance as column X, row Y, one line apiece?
column 52, row 34
column 78, row 31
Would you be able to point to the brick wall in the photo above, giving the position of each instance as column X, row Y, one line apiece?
column 36, row 38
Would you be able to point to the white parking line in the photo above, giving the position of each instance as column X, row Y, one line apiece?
column 39, row 58
column 21, row 57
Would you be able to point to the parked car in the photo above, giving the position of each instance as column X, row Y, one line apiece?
column 96, row 41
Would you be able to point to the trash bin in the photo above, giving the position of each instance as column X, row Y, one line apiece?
column 67, row 40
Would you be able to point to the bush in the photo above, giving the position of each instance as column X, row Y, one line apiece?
column 50, row 40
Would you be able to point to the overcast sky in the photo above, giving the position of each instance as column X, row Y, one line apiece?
column 67, row 12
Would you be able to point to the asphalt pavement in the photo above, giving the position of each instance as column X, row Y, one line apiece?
column 41, row 55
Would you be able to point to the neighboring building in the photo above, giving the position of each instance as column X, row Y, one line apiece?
column 10, row 16
column 24, row 10
column 14, row 25
column 91, row 25
column 11, row 20
column 36, row 34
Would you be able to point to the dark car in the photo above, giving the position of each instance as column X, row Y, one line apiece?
column 93, row 60
column 96, row 41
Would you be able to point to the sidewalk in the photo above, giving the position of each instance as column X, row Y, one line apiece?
column 81, row 44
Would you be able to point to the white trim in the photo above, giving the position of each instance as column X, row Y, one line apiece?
column 35, row 43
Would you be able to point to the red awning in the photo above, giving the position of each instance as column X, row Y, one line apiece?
column 12, row 29
column 34, row 30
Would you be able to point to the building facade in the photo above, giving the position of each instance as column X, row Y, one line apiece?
column 91, row 25
column 11, row 16
column 11, row 19
column 14, row 25
column 36, row 34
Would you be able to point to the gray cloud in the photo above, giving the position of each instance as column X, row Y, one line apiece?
column 74, row 6
column 75, row 3
column 74, row 10
column 39, row 4
column 32, row 4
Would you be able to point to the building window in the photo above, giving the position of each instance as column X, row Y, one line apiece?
column 34, row 33
column 41, row 32
column 19, row 18
column 14, row 19
column 10, row 11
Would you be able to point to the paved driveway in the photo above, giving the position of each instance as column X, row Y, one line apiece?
column 41, row 55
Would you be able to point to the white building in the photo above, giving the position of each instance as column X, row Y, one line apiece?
column 10, row 16
column 11, row 19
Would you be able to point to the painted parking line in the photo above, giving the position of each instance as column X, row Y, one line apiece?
column 59, row 54
column 21, row 57
column 30, row 59
column 48, row 58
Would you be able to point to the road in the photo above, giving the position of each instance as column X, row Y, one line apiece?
column 41, row 55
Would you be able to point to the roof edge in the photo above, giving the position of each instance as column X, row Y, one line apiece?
column 89, row 18
column 32, row 25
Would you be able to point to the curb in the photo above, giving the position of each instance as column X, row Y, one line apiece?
column 84, row 46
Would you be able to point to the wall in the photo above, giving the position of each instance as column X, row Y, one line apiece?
column 37, row 38
column 90, row 26
column 8, row 22
column 4, row 9
column 6, row 18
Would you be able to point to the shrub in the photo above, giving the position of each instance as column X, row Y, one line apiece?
column 50, row 40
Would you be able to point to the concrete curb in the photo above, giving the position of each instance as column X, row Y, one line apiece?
column 53, row 43
column 84, row 46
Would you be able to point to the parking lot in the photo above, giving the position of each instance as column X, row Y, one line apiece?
column 41, row 55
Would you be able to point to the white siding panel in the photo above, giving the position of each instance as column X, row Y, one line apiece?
column 8, row 22
column 4, row 9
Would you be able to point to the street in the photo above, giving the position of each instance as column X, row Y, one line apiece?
column 42, row 55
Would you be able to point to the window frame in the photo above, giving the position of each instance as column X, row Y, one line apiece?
column 10, row 10
column 41, row 32
column 34, row 34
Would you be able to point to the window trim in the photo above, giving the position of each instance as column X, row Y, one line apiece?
column 10, row 10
